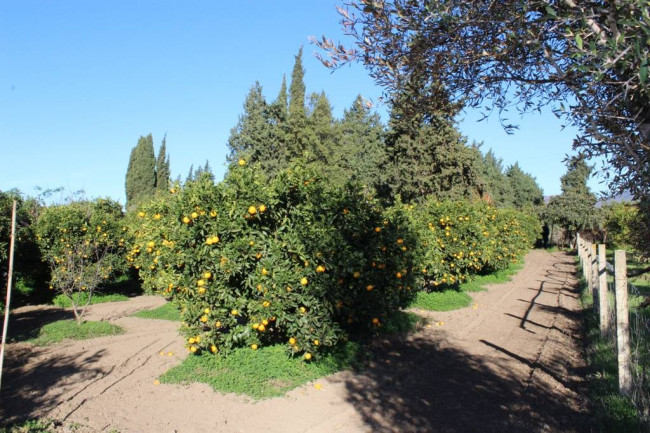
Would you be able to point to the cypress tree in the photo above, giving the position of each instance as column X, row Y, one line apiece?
column 432, row 160
column 360, row 150
column 524, row 188
column 163, row 173
column 496, row 185
column 141, row 173
column 297, row 117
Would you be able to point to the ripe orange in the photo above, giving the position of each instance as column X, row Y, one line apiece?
column 186, row 220
column 320, row 269
column 195, row 215
column 356, row 274
column 254, row 346
column 292, row 341
column 307, row 356
column 304, row 281
column 262, row 208
column 241, row 162
column 252, row 210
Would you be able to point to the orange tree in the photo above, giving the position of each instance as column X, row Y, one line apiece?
column 254, row 261
column 84, row 244
column 460, row 239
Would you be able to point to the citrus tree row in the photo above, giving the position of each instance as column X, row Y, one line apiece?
column 291, row 260
column 253, row 262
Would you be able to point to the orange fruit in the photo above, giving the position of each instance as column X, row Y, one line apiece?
column 254, row 346
column 304, row 281
column 292, row 341
column 195, row 215
column 241, row 162
column 262, row 208
column 252, row 210
column 356, row 274
column 307, row 356
column 320, row 269
column 186, row 220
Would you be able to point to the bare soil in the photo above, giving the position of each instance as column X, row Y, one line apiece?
column 511, row 362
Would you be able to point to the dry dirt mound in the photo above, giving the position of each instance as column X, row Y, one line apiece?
column 509, row 363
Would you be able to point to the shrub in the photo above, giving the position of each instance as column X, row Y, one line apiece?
column 254, row 262
column 84, row 244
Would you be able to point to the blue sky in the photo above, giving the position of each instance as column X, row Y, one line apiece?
column 82, row 80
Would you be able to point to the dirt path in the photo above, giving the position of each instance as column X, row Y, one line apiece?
column 509, row 363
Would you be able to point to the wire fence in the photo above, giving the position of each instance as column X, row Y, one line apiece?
column 632, row 344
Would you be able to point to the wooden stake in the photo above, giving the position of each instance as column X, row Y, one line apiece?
column 622, row 324
column 9, row 283
column 603, row 300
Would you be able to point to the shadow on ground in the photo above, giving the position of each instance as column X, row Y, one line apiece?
column 26, row 322
column 423, row 385
column 23, row 390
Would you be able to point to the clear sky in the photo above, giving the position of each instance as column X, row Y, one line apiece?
column 82, row 80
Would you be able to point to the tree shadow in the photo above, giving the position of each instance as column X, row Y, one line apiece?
column 30, row 391
column 26, row 322
column 420, row 385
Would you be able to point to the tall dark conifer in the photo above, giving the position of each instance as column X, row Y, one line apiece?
column 297, row 117
column 141, row 173
column 163, row 173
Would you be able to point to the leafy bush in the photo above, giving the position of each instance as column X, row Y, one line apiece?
column 254, row 262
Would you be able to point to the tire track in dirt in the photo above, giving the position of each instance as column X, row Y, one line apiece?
column 509, row 363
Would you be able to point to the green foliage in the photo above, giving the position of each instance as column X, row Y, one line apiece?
column 296, row 140
column 141, row 173
column 67, row 329
column 81, row 298
column 619, row 224
column 587, row 61
column 574, row 209
column 256, row 136
column 84, row 245
column 525, row 190
column 433, row 160
column 359, row 152
column 30, row 273
column 31, row 426
column 163, row 171
column 458, row 240
column 168, row 311
column 496, row 184
column 255, row 262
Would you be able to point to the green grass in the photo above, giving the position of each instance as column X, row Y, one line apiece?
column 31, row 426
column 68, row 329
column 81, row 298
column 263, row 373
column 167, row 311
column 456, row 298
column 270, row 371
column 442, row 301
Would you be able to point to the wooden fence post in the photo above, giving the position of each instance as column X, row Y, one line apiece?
column 594, row 269
column 603, row 300
column 588, row 268
column 622, row 323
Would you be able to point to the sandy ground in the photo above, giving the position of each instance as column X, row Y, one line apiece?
column 509, row 363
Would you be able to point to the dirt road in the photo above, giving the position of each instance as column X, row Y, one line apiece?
column 509, row 363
